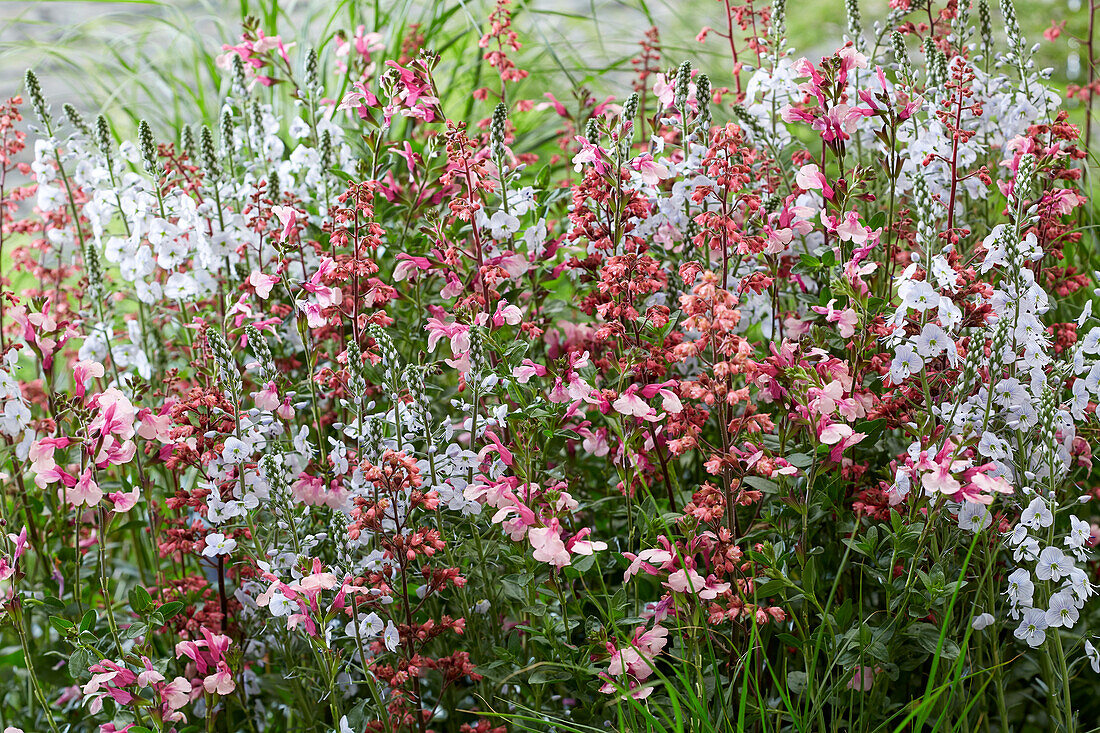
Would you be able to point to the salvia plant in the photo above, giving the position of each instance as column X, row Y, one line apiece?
column 759, row 396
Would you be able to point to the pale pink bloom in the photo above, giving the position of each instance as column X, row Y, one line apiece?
column 580, row 545
column 359, row 98
column 685, row 580
column 176, row 693
column 824, row 400
column 940, row 478
column 713, row 589
column 862, row 680
column 528, row 369
column 590, row 154
column 288, row 216
column 318, row 582
column 221, row 682
column 286, row 410
column 629, row 403
column 651, row 171
column 850, row 230
column 408, row 265
column 267, row 398
column 148, row 676
column 262, row 283
column 83, row 373
column 810, row 177
column 86, row 491
column 115, row 414
column 846, row 319
column 669, row 399
column 453, row 288
column 506, row 313
column 152, row 426
column 115, row 452
column 647, row 560
column 595, row 442
column 326, row 296
column 548, row 545
column 834, row 433
column 314, row 315
column 124, row 502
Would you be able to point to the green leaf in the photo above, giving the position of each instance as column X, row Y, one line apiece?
column 168, row 610
column 79, row 662
column 762, row 484
column 63, row 625
column 87, row 623
column 140, row 600
column 549, row 674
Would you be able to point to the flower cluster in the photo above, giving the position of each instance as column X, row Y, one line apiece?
column 371, row 405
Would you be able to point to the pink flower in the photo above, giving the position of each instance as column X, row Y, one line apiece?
column 670, row 401
column 83, row 373
column 838, row 435
column 85, row 492
column 528, row 369
column 548, row 545
column 580, row 544
column 176, row 693
column 590, row 154
column 862, row 680
column 644, row 560
column 262, row 283
column 846, row 319
column 408, row 265
column 267, row 398
column 685, row 580
column 810, row 177
column 289, row 218
column 651, row 171
column 326, row 296
column 221, row 682
column 124, row 502
column 115, row 414
column 359, row 98
column 629, row 403
column 850, row 230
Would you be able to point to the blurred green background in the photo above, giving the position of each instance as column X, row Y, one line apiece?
column 155, row 58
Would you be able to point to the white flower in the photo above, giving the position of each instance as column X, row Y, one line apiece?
column 1037, row 515
column 391, row 637
column 369, row 626
column 218, row 544
column 502, row 225
column 982, row 621
column 1032, row 628
column 993, row 447
column 1053, row 564
column 974, row 517
column 932, row 341
column 1079, row 584
column 918, row 295
column 235, row 450
column 521, row 201
column 180, row 286
column 905, row 362
column 1079, row 532
column 1063, row 611
column 1021, row 590
column 1093, row 656
column 1028, row 549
